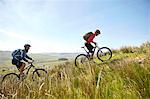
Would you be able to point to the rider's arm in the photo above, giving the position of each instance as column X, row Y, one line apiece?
column 24, row 56
column 28, row 57
column 25, row 59
column 94, row 43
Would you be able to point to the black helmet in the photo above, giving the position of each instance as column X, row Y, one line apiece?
column 97, row 31
column 27, row 45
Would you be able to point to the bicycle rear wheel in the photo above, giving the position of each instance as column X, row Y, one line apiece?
column 10, row 83
column 39, row 75
column 81, row 60
column 104, row 54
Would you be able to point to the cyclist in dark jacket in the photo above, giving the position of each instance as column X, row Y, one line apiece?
column 19, row 56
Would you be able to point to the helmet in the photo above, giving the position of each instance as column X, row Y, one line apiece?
column 97, row 31
column 27, row 45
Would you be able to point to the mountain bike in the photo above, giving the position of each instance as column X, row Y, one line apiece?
column 10, row 82
column 102, row 53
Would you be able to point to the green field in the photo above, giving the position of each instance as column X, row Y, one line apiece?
column 125, row 76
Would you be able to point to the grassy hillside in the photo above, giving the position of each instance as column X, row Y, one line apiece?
column 125, row 76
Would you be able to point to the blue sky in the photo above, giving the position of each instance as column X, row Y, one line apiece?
column 58, row 25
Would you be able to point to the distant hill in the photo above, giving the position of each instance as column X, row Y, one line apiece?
column 5, row 56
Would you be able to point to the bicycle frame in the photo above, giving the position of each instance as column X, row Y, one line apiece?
column 35, row 71
column 29, row 67
column 88, row 53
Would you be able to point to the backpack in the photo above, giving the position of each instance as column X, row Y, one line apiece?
column 17, row 54
column 87, row 35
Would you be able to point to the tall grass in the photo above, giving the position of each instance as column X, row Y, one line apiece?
column 127, row 78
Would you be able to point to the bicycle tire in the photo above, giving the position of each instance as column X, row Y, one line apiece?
column 78, row 57
column 100, row 50
column 38, row 75
column 9, row 83
column 10, row 74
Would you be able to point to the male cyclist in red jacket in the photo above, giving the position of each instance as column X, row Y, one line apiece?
column 88, row 37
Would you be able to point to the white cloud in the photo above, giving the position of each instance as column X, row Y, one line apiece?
column 15, row 35
column 13, row 40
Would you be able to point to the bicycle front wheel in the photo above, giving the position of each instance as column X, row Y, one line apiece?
column 104, row 54
column 39, row 75
column 10, row 83
column 81, row 60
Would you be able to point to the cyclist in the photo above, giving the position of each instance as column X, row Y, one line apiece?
column 19, row 56
column 88, row 37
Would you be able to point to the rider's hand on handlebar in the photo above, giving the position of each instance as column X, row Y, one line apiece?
column 30, row 62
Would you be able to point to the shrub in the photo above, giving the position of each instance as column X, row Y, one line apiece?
column 127, row 49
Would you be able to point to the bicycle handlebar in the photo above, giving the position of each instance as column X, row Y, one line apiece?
column 31, row 63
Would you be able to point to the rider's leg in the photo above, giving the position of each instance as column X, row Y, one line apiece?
column 19, row 65
column 90, row 48
column 21, row 69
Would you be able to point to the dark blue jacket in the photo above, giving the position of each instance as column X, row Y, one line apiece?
column 21, row 55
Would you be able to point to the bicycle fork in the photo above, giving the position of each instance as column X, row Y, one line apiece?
column 38, row 73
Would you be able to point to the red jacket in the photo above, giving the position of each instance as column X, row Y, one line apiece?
column 90, row 39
